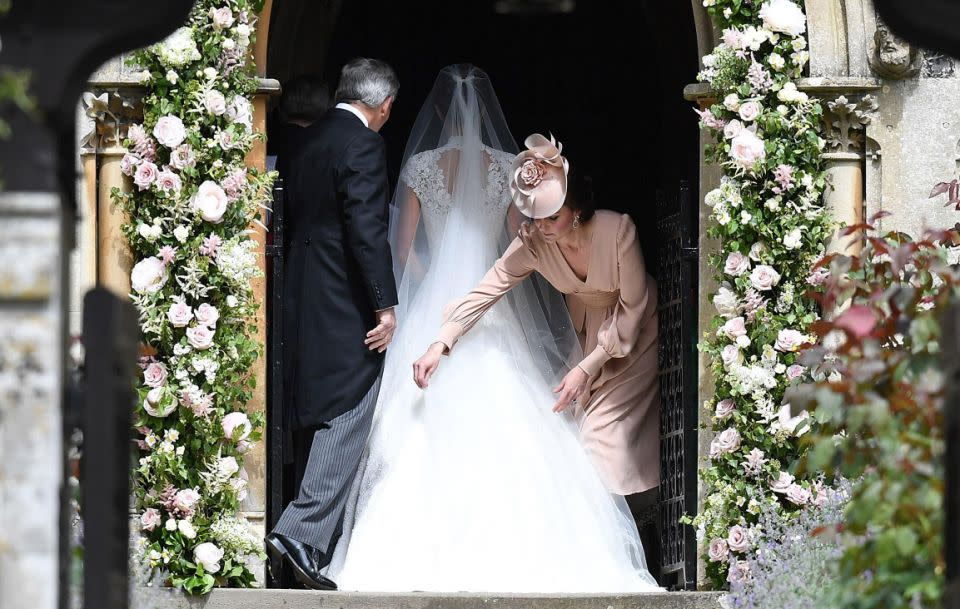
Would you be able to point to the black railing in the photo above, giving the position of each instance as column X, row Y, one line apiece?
column 677, row 308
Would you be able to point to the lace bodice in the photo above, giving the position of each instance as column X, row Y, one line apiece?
column 424, row 174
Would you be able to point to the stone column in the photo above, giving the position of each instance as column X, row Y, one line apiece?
column 32, row 267
column 844, row 121
column 115, row 260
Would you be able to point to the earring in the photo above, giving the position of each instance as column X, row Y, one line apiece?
column 576, row 222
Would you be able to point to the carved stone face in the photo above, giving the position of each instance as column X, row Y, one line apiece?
column 893, row 51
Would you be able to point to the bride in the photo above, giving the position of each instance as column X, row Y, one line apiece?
column 474, row 484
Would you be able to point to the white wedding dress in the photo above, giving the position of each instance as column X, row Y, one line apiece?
column 474, row 484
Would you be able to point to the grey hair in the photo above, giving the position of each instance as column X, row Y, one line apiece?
column 369, row 81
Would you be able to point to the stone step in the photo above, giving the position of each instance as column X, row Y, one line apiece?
column 304, row 599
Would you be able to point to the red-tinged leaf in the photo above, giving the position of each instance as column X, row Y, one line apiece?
column 879, row 216
column 853, row 228
column 940, row 188
column 879, row 244
column 858, row 320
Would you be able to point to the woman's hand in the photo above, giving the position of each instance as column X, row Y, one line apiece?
column 570, row 388
column 424, row 367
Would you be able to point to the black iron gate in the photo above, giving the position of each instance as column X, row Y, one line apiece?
column 677, row 284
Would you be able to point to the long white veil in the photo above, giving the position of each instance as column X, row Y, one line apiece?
column 440, row 257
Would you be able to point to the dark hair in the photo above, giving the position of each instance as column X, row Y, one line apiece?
column 304, row 98
column 580, row 196
column 368, row 81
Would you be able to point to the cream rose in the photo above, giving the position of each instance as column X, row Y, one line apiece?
column 757, row 250
column 186, row 529
column 718, row 551
column 155, row 408
column 732, row 129
column 222, row 17
column 724, row 408
column 791, row 423
column 210, row 202
column 149, row 275
column 726, row 302
column 789, row 341
column 170, row 131
column 185, row 501
column 208, row 556
column 207, row 315
column 200, row 337
column 227, row 466
column 793, row 239
column 797, row 494
column 747, row 149
column 750, row 111
column 726, row 441
column 764, row 277
column 782, row 483
column 734, row 327
column 731, row 355
column 783, row 16
column 737, row 264
column 731, row 102
column 215, row 102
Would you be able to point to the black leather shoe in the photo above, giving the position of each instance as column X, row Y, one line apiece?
column 305, row 560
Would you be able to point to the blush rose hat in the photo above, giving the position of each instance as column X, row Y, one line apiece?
column 538, row 177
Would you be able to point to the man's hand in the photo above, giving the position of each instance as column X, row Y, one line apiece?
column 380, row 337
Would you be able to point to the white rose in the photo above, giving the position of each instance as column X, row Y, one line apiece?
column 747, row 149
column 239, row 486
column 750, row 111
column 793, row 239
column 186, row 528
column 170, row 131
column 211, row 202
column 731, row 102
column 208, row 556
column 181, row 233
column 222, row 18
column 153, row 407
column 726, row 302
column 737, row 539
column 737, row 264
column 781, row 484
column 240, row 111
column 149, row 275
column 783, row 16
column 154, row 395
column 200, row 337
column 731, row 355
column 215, row 102
column 732, row 129
column 757, row 250
column 743, row 341
column 791, row 423
column 227, row 466
column 229, row 44
column 734, row 327
column 180, row 314
column 789, row 340
column 171, row 524
column 234, row 421
column 207, row 315
column 144, row 76
column 146, row 231
column 186, row 500
column 764, row 277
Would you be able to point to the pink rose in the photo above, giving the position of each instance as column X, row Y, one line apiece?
column 789, row 341
column 182, row 157
column 739, row 572
column 226, row 140
column 155, row 375
column 207, row 315
column 180, row 314
column 170, row 131
column 236, row 421
column 737, row 264
column 222, row 18
column 797, row 494
column 782, row 483
column 210, row 202
column 150, row 519
column 750, row 111
column 215, row 102
column 737, row 539
column 747, row 149
column 795, row 371
column 732, row 129
column 764, row 277
column 718, row 551
column 128, row 164
column 145, row 175
column 726, row 441
column 169, row 182
column 734, row 327
column 185, row 501
column 724, row 408
column 200, row 337
column 531, row 173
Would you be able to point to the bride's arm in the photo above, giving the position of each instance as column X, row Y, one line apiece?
column 407, row 227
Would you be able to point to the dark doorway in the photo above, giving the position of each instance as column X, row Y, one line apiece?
column 606, row 78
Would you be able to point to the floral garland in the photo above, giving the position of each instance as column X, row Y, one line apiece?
column 771, row 226
column 190, row 214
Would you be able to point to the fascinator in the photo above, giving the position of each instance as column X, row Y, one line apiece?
column 538, row 177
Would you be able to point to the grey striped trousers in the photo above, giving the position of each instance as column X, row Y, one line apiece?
column 316, row 515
